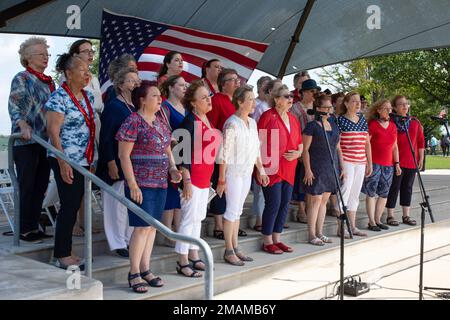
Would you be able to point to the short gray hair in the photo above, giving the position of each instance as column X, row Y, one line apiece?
column 120, row 77
column 24, row 51
column 118, row 64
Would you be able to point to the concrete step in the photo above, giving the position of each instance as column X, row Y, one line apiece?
column 43, row 252
column 164, row 258
column 109, row 269
column 22, row 278
column 316, row 276
column 229, row 277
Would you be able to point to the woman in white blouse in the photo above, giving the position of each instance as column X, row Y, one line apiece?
column 239, row 155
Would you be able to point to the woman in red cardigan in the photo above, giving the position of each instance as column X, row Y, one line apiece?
column 404, row 182
column 281, row 146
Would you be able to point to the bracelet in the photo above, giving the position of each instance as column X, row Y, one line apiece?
column 221, row 182
column 397, row 162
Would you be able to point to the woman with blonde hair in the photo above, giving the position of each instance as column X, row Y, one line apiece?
column 356, row 154
column 240, row 155
column 385, row 160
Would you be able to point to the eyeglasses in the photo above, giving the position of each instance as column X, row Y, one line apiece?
column 288, row 96
column 88, row 51
column 138, row 82
column 236, row 80
column 42, row 55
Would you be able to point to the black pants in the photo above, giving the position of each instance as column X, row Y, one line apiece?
column 33, row 173
column 403, row 183
column 70, row 196
column 218, row 205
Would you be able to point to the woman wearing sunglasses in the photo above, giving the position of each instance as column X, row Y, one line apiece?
column 319, row 179
column 280, row 160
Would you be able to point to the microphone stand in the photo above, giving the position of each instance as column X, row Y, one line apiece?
column 425, row 206
column 343, row 217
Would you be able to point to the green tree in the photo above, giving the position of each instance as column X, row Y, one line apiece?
column 94, row 68
column 423, row 76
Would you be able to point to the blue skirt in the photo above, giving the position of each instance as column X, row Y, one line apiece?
column 173, row 197
column 153, row 200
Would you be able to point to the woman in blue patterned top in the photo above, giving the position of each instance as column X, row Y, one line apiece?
column 71, row 129
column 30, row 90
column 173, row 110
column 145, row 157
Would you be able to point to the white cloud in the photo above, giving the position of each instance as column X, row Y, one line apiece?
column 10, row 66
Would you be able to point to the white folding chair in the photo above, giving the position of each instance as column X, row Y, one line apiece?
column 6, row 189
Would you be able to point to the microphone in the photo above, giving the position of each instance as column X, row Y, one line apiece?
column 311, row 112
column 440, row 119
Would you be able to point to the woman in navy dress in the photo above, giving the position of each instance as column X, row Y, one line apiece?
column 319, row 178
column 172, row 110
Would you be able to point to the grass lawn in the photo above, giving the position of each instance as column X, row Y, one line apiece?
column 437, row 162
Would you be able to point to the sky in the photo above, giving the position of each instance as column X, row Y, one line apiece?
column 10, row 66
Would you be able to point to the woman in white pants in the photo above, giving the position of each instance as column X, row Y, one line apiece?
column 240, row 154
column 356, row 153
column 117, row 109
column 197, row 170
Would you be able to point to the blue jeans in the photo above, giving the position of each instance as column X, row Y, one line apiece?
column 153, row 201
column 277, row 199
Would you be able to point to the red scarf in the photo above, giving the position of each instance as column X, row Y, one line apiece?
column 89, row 121
column 211, row 88
column 45, row 79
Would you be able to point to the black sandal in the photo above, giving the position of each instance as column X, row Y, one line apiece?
column 194, row 264
column 194, row 274
column 138, row 285
column 155, row 282
column 242, row 233
column 407, row 220
column 218, row 234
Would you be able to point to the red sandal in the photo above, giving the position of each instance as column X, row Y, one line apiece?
column 271, row 248
column 283, row 247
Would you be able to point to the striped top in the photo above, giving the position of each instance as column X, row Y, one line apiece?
column 353, row 139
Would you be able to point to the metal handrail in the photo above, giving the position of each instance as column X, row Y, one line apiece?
column 88, row 178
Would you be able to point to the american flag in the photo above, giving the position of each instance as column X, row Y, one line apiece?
column 149, row 42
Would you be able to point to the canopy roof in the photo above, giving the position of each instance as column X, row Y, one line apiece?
column 333, row 30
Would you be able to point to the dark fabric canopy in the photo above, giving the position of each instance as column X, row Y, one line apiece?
column 334, row 31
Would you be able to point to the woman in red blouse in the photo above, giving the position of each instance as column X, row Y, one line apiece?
column 281, row 146
column 197, row 171
column 210, row 74
column 383, row 143
column 404, row 182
